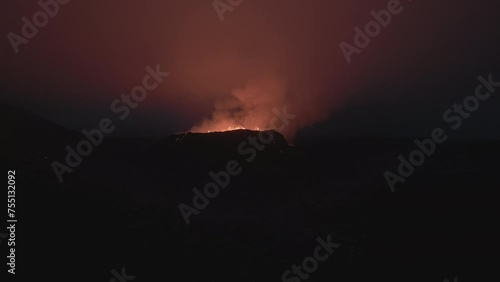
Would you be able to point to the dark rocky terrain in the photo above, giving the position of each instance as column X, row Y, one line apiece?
column 119, row 208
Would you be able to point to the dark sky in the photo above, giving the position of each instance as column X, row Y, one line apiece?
column 265, row 54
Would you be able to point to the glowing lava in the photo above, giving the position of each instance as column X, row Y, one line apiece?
column 226, row 123
column 229, row 128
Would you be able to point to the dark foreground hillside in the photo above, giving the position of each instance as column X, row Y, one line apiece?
column 120, row 208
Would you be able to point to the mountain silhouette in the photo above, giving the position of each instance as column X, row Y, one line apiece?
column 28, row 136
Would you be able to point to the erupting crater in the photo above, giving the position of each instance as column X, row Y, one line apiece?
column 244, row 142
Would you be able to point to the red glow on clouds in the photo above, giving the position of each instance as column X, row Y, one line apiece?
column 232, row 74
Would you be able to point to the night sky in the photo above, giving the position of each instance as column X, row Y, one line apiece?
column 265, row 54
